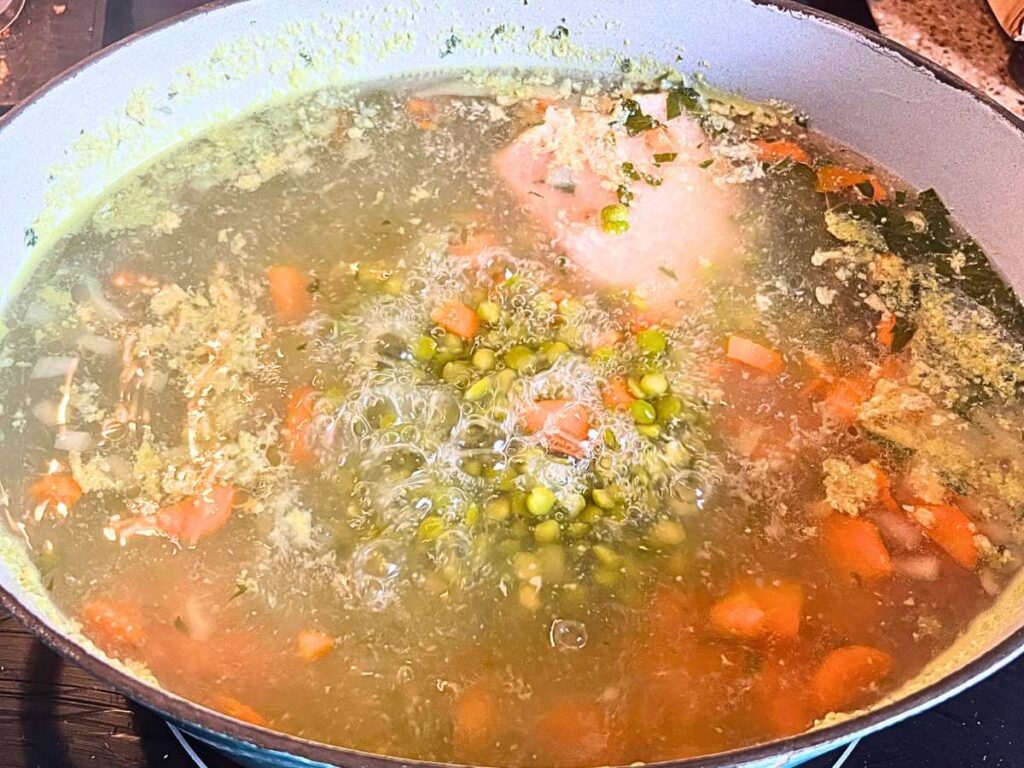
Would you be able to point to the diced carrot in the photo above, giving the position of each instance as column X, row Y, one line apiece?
column 780, row 699
column 848, row 675
column 883, row 484
column 754, row 355
column 844, row 399
column 776, row 151
column 884, row 329
column 616, row 395
column 232, row 707
column 855, row 545
column 475, row 721
column 113, row 624
column 421, row 107
column 476, row 241
column 951, row 529
column 289, row 290
column 313, row 645
column 834, row 178
column 198, row 516
column 572, row 734
column 298, row 424
column 55, row 489
column 456, row 317
column 564, row 423
column 753, row 612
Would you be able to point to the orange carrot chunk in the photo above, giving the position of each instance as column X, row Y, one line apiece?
column 112, row 624
column 752, row 354
column 456, row 317
column 855, row 545
column 314, row 645
column 834, row 178
column 884, row 329
column 572, row 734
column 777, row 151
column 475, row 722
column 616, row 395
column 298, row 424
column 476, row 241
column 56, row 489
column 197, row 517
column 565, row 424
column 239, row 710
column 848, row 675
column 951, row 529
column 844, row 398
column 289, row 290
column 752, row 612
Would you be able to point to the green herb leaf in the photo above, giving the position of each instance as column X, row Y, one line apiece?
column 559, row 33
column 240, row 589
column 902, row 332
column 636, row 120
column 31, row 238
column 682, row 100
column 450, row 45
column 707, row 163
column 665, row 157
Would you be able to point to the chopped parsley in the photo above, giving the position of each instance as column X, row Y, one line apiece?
column 682, row 100
column 665, row 157
column 450, row 45
column 636, row 120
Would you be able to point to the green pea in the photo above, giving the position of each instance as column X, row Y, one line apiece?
column 484, row 359
column 577, row 530
column 395, row 285
column 654, row 384
column 649, row 430
column 606, row 556
column 651, row 341
column 456, row 372
column 666, row 533
column 642, row 411
column 591, row 513
column 547, row 532
column 498, row 508
column 634, row 388
column 604, row 498
column 540, row 501
column 574, row 503
column 610, row 440
column 489, row 311
column 479, row 390
column 525, row 565
column 452, row 343
column 603, row 354
column 472, row 514
column 424, row 348
column 503, row 380
column 668, row 407
column 431, row 527
column 473, row 467
column 555, row 350
column 520, row 358
column 615, row 219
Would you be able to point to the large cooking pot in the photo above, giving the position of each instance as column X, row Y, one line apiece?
column 126, row 106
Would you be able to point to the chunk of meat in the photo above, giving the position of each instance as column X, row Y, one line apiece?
column 567, row 169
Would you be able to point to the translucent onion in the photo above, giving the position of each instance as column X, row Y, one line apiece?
column 72, row 440
column 100, row 345
column 53, row 367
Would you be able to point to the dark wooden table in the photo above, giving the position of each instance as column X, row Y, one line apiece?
column 54, row 715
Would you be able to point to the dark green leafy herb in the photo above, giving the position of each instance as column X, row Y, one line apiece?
column 624, row 195
column 31, row 238
column 707, row 163
column 636, row 120
column 313, row 286
column 240, row 589
column 450, row 45
column 560, row 32
column 900, row 197
column 566, row 186
column 307, row 58
column 626, row 65
column 498, row 30
column 665, row 157
column 801, row 120
column 668, row 271
column 902, row 332
column 682, row 100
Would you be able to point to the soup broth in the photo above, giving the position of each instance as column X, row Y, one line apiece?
column 584, row 426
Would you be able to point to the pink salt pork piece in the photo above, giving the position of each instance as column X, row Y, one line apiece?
column 567, row 169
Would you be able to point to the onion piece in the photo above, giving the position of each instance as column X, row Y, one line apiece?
column 53, row 367
column 155, row 381
column 918, row 567
column 100, row 302
column 72, row 440
column 989, row 581
column 899, row 531
column 100, row 345
column 47, row 412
